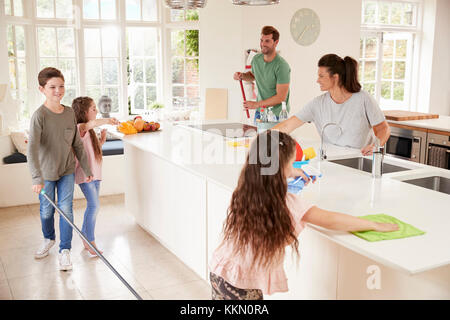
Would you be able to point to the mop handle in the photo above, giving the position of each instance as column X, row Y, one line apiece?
column 243, row 96
column 91, row 246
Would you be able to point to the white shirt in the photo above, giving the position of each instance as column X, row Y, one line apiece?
column 356, row 116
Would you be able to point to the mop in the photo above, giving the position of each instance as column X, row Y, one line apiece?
column 91, row 246
column 243, row 96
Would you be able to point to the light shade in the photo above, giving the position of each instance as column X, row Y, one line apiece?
column 255, row 2
column 185, row 4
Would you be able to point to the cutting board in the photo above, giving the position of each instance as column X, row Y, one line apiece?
column 216, row 103
column 400, row 115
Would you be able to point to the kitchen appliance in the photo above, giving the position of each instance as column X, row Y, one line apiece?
column 407, row 144
column 438, row 150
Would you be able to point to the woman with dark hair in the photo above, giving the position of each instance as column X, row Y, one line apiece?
column 344, row 103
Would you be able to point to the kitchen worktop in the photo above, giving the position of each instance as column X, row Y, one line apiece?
column 441, row 124
column 341, row 189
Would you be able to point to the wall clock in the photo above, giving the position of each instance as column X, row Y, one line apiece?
column 305, row 26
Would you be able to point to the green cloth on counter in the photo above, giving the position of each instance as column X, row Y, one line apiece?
column 405, row 230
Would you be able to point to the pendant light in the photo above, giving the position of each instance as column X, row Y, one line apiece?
column 185, row 4
column 255, row 2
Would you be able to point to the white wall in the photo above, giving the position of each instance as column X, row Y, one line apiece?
column 339, row 34
column 440, row 71
column 228, row 30
column 221, row 51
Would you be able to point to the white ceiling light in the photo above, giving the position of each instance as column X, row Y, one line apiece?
column 185, row 4
column 255, row 2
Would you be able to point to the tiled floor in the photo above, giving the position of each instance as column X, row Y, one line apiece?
column 153, row 271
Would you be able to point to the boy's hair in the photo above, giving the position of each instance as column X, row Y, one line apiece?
column 258, row 218
column 81, row 106
column 48, row 73
column 271, row 30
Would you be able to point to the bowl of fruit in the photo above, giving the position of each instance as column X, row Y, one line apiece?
column 137, row 125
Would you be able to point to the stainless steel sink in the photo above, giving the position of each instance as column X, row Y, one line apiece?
column 435, row 183
column 365, row 164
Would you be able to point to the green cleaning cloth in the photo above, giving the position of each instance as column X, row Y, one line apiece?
column 404, row 230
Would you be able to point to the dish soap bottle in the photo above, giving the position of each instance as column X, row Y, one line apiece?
column 283, row 114
column 271, row 117
column 263, row 115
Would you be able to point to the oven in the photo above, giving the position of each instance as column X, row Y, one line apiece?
column 407, row 144
column 438, row 150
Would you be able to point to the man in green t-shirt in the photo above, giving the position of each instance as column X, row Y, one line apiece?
column 271, row 73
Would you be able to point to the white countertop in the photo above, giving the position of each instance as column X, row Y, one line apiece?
column 442, row 123
column 341, row 189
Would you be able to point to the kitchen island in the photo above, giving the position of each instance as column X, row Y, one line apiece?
column 179, row 183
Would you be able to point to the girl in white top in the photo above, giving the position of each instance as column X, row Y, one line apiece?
column 344, row 103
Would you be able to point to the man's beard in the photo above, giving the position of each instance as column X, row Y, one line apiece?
column 267, row 51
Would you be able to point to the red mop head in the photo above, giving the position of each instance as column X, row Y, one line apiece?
column 299, row 150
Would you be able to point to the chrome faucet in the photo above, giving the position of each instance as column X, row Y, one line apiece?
column 322, row 150
column 377, row 159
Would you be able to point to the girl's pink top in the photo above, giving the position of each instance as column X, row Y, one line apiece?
column 96, row 166
column 237, row 270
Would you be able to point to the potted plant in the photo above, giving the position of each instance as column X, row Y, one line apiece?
column 157, row 109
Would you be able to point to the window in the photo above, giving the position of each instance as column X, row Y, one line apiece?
column 14, row 8
column 142, row 55
column 101, row 10
column 184, row 61
column 61, row 9
column 387, row 51
column 17, row 66
column 141, row 10
column 102, row 51
column 56, row 47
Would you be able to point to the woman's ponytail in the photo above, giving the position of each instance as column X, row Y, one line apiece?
column 350, row 82
column 346, row 68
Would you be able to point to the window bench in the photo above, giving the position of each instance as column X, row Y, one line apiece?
column 15, row 182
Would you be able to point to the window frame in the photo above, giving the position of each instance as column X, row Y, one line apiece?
column 163, row 25
column 411, row 76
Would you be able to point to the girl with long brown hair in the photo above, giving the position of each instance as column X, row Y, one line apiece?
column 86, row 114
column 263, row 218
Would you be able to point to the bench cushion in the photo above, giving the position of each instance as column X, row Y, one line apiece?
column 16, row 157
column 112, row 147
column 109, row 148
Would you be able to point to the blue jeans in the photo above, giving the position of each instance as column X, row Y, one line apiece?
column 64, row 187
column 91, row 192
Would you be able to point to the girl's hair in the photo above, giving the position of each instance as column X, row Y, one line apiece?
column 346, row 68
column 258, row 217
column 48, row 73
column 81, row 106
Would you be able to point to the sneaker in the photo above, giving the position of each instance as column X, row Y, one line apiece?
column 44, row 249
column 64, row 260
